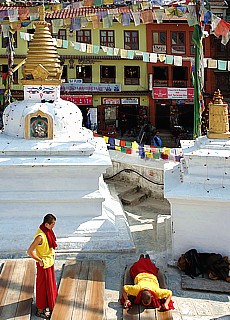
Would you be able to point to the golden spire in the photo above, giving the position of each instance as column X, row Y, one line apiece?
column 42, row 64
column 218, row 118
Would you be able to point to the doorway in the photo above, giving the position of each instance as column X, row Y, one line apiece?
column 162, row 116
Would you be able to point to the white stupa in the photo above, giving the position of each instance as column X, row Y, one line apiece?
column 198, row 188
column 50, row 163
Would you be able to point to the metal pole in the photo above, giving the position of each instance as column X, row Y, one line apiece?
column 197, row 40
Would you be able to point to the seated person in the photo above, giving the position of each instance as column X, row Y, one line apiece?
column 146, row 289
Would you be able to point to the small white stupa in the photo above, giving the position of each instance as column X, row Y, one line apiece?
column 50, row 163
column 198, row 188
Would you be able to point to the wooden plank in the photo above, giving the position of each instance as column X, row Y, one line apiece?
column 78, row 307
column 81, row 291
column 132, row 313
column 161, row 280
column 5, row 278
column 27, row 292
column 204, row 284
column 94, row 297
column 164, row 315
column 13, row 291
column 147, row 314
column 67, row 291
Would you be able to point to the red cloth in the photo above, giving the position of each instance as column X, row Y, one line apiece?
column 50, row 236
column 143, row 265
column 46, row 288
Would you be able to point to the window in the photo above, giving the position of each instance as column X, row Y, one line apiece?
column 160, row 76
column 132, row 75
column 84, row 73
column 180, row 77
column 107, row 38
column 64, row 73
column 61, row 34
column 108, row 74
column 83, row 36
column 131, row 40
column 178, row 42
column 222, row 81
column 4, row 70
column 159, row 42
column 5, row 41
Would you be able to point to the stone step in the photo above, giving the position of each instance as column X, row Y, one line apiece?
column 134, row 196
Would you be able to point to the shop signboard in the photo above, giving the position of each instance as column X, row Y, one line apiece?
column 172, row 93
column 79, row 99
column 111, row 101
column 75, row 81
column 129, row 101
column 91, row 87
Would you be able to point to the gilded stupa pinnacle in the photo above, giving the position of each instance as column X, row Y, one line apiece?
column 42, row 64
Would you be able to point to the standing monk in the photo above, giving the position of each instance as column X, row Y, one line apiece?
column 42, row 251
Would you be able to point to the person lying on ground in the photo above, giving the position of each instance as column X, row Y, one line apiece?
column 146, row 289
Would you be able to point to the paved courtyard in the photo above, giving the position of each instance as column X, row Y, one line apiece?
column 149, row 225
column 150, row 232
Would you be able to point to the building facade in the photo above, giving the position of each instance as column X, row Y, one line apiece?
column 105, row 87
column 115, row 82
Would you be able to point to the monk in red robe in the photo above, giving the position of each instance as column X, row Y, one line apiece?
column 146, row 289
column 42, row 251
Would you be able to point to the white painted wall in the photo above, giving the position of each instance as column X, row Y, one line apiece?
column 199, row 193
column 201, row 225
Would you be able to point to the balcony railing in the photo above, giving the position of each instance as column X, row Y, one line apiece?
column 160, row 83
column 180, row 83
column 108, row 80
column 131, row 81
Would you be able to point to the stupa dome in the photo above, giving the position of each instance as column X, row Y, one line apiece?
column 58, row 120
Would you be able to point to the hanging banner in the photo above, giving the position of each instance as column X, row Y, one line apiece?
column 172, row 93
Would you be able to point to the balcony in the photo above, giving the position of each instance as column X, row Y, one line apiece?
column 180, row 83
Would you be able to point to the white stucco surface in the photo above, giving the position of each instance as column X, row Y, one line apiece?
column 67, row 119
column 62, row 175
column 198, row 190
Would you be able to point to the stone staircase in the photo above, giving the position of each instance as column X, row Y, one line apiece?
column 134, row 196
column 167, row 139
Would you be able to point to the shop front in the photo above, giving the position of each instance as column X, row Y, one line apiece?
column 104, row 107
column 174, row 107
column 121, row 116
